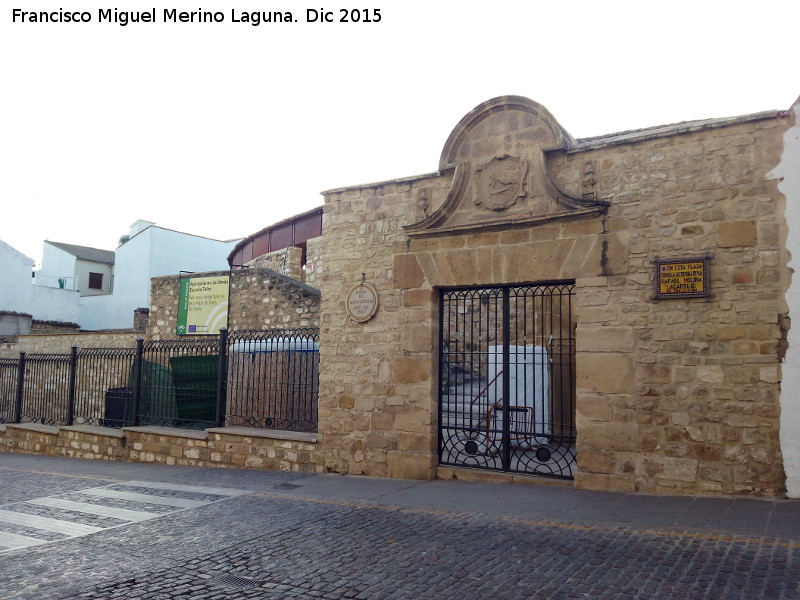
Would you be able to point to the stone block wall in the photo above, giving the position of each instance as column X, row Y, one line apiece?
column 28, row 439
column 314, row 264
column 682, row 395
column 376, row 405
column 91, row 443
column 255, row 450
column 62, row 343
column 381, row 417
column 673, row 396
column 48, row 327
column 288, row 262
column 259, row 299
column 141, row 317
column 263, row 449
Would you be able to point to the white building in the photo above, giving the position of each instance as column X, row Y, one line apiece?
column 149, row 251
column 21, row 303
column 788, row 172
column 72, row 267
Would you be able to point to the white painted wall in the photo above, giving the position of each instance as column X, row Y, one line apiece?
column 789, row 171
column 82, row 270
column 57, row 264
column 173, row 252
column 53, row 304
column 131, row 287
column 15, row 274
column 151, row 252
column 60, row 264
column 18, row 295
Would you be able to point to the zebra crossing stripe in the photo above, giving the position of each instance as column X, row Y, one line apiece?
column 177, row 487
column 95, row 509
column 148, row 498
column 36, row 522
column 12, row 541
column 71, row 529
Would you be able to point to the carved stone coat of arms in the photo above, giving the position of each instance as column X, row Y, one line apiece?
column 501, row 181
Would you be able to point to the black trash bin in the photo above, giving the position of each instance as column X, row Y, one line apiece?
column 119, row 407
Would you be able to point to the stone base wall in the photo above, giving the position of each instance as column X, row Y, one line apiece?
column 95, row 443
column 478, row 476
column 28, row 439
column 225, row 447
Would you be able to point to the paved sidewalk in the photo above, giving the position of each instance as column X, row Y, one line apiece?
column 165, row 533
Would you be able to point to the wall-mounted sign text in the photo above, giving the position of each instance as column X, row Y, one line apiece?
column 682, row 278
column 202, row 305
column 362, row 302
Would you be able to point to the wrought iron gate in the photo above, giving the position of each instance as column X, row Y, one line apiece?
column 507, row 378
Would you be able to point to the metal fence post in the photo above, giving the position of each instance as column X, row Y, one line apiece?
column 20, row 388
column 73, row 367
column 222, row 377
column 506, row 454
column 137, row 381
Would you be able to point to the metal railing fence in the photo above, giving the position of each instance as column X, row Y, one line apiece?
column 9, row 384
column 101, row 375
column 273, row 379
column 46, row 381
column 265, row 379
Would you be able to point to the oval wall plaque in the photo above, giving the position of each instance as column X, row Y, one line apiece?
column 362, row 302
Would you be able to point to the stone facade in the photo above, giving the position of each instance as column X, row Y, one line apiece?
column 259, row 299
column 377, row 395
column 678, row 395
column 675, row 396
column 693, row 405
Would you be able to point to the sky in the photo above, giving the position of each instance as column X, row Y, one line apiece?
column 221, row 129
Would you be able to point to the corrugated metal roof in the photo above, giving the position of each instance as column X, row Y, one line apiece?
column 86, row 253
column 266, row 231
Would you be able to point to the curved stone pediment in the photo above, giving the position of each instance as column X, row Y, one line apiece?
column 501, row 175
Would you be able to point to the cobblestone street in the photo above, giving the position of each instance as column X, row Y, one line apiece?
column 230, row 534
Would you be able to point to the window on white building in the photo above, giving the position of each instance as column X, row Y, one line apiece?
column 95, row 281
